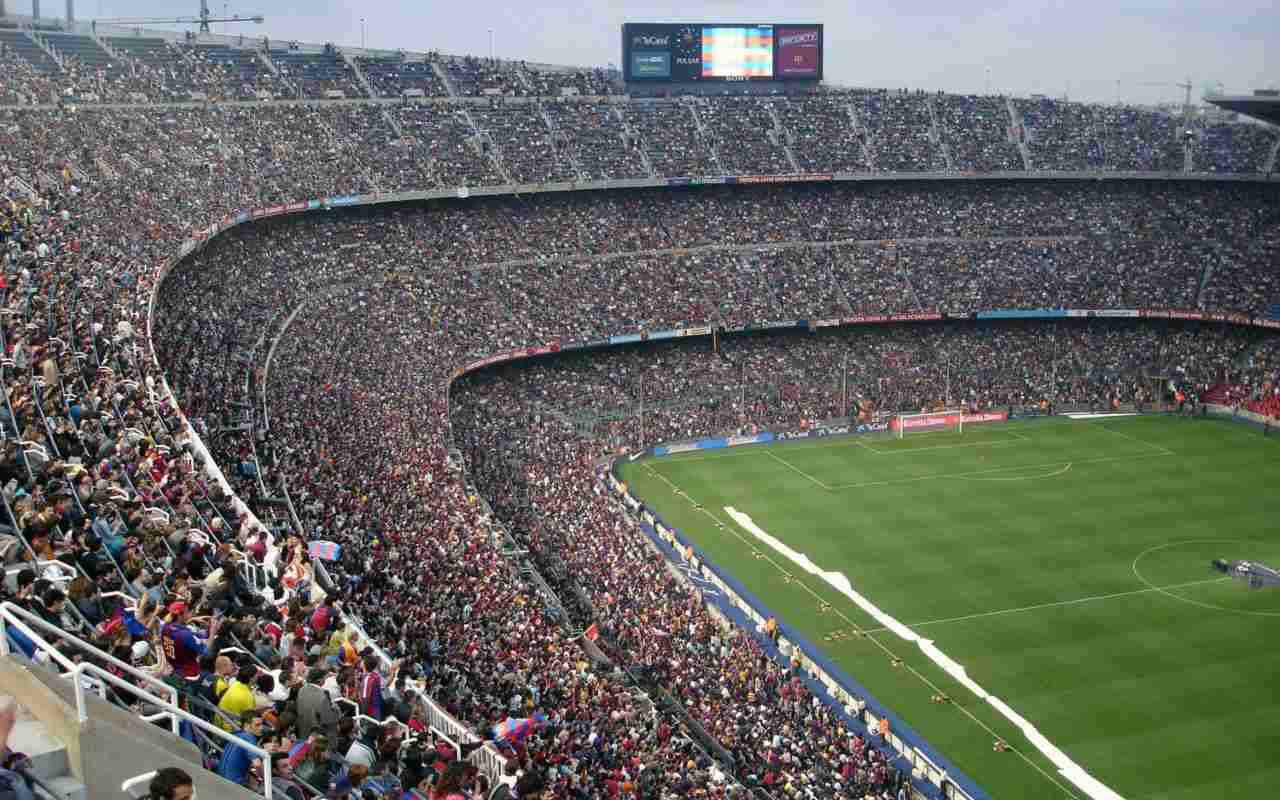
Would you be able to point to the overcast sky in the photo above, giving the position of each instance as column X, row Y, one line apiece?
column 1079, row 48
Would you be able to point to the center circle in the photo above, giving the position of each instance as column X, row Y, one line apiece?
column 1181, row 573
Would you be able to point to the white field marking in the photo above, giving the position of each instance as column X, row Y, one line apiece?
column 933, row 687
column 1058, row 604
column 1102, row 416
column 799, row 471
column 1050, row 464
column 1068, row 769
column 1164, row 589
column 909, row 450
column 1054, row 474
column 1158, row 448
column 866, row 446
column 850, row 440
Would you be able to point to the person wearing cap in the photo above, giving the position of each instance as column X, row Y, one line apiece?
column 182, row 646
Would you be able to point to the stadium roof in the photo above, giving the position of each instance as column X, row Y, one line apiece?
column 1263, row 107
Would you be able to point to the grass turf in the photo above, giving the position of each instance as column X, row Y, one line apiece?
column 1081, row 595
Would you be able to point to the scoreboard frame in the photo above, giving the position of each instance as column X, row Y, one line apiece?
column 672, row 52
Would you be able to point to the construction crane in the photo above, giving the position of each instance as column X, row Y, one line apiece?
column 1186, row 86
column 203, row 20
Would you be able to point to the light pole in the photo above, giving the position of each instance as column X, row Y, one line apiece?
column 491, row 51
column 362, row 33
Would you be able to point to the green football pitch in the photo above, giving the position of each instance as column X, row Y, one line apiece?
column 1064, row 563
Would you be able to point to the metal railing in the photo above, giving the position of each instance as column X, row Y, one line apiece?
column 22, row 620
column 82, row 711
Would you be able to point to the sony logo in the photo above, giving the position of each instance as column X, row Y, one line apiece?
column 644, row 40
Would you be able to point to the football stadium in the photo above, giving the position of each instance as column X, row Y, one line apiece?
column 429, row 426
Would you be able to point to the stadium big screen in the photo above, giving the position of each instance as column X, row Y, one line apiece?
column 681, row 53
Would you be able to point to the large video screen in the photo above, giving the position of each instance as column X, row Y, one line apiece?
column 721, row 52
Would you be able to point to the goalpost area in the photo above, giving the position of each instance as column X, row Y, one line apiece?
column 1066, row 565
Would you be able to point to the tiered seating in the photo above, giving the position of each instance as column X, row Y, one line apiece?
column 525, row 144
column 391, row 77
column 585, row 82
column 1135, row 139
column 742, row 130
column 442, row 150
column 22, row 83
column 670, row 138
column 1233, row 147
column 28, row 51
column 898, row 124
column 1062, row 136
column 316, row 74
column 825, row 140
column 477, row 77
column 596, row 137
column 976, row 129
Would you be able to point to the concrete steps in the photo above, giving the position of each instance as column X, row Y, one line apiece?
column 50, row 763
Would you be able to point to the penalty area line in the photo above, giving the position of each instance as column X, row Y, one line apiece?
column 798, row 471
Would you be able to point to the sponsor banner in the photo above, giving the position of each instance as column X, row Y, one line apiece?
column 313, row 205
column 344, row 200
column 799, row 52
column 1023, row 313
column 271, row 211
column 292, row 207
column 931, row 420
column 671, row 449
column 775, row 325
column 242, row 217
column 826, row 323
column 626, row 338
column 595, row 343
column 656, row 335
column 573, row 346
column 805, row 178
column 760, row 438
column 1273, row 324
column 704, row 330
column 1203, row 316
column 554, row 347
column 258, row 212
column 1104, row 313
column 865, row 319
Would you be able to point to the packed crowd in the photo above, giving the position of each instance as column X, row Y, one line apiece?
column 630, row 398
column 118, row 532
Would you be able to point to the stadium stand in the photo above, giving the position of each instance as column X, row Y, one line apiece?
column 348, row 437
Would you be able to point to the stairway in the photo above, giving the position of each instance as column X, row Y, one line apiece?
column 935, row 134
column 50, row 765
column 1018, row 134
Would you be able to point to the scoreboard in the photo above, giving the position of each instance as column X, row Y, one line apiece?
column 681, row 53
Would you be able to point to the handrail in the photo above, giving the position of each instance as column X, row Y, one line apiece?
column 130, row 784
column 82, row 711
column 14, row 615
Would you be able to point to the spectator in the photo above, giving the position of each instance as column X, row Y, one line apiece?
column 171, row 783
